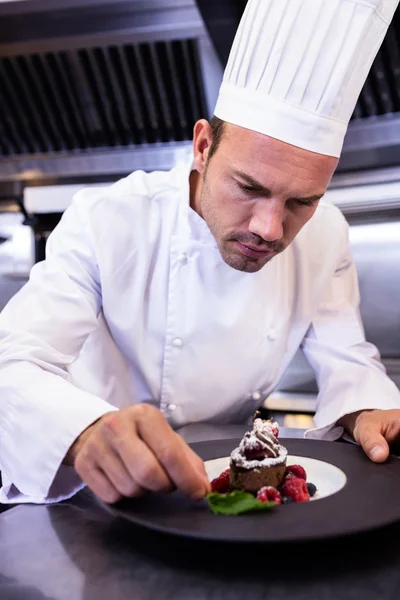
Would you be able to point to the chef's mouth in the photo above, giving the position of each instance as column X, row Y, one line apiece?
column 254, row 251
column 257, row 248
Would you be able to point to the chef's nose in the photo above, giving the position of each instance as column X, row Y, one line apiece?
column 267, row 221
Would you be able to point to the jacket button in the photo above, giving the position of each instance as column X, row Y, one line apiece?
column 182, row 259
column 177, row 342
column 256, row 396
column 172, row 407
column 271, row 336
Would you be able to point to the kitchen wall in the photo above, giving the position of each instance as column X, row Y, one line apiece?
column 16, row 256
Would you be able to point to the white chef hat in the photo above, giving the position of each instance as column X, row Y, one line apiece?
column 297, row 67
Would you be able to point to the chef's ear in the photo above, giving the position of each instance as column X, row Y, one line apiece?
column 202, row 140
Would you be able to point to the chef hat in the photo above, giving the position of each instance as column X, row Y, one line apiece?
column 296, row 68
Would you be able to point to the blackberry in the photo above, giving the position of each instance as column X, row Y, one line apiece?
column 287, row 500
column 311, row 489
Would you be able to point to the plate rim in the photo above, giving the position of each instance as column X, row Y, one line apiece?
column 208, row 451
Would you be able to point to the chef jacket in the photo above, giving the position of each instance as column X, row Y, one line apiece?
column 134, row 304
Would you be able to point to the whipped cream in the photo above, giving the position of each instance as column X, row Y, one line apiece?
column 259, row 447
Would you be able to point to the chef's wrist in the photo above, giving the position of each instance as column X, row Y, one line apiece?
column 75, row 448
column 349, row 422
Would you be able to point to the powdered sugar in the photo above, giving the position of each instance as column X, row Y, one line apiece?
column 263, row 425
column 263, row 444
column 241, row 461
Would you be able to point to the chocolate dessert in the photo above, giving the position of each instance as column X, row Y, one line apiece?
column 259, row 460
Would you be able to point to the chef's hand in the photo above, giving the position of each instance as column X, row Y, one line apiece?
column 374, row 430
column 134, row 450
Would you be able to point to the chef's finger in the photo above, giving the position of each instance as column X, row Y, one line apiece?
column 367, row 433
column 96, row 480
column 143, row 465
column 171, row 451
column 138, row 460
column 198, row 462
column 112, row 465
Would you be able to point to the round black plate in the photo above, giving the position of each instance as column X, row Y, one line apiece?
column 370, row 499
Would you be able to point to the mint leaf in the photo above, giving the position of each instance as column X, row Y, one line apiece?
column 236, row 503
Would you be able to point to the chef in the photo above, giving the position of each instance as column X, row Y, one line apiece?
column 182, row 296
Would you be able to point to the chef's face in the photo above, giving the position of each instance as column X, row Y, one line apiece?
column 255, row 192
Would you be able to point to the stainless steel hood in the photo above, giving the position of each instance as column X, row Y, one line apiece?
column 373, row 138
column 92, row 90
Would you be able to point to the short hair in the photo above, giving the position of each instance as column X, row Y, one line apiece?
column 217, row 131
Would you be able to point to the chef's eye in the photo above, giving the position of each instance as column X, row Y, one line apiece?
column 245, row 188
column 306, row 202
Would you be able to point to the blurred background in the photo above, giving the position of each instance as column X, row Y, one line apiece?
column 91, row 90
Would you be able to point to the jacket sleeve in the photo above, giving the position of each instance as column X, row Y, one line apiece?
column 348, row 369
column 42, row 331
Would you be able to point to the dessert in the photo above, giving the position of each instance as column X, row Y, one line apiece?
column 258, row 478
column 259, row 460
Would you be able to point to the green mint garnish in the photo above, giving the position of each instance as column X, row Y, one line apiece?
column 236, row 503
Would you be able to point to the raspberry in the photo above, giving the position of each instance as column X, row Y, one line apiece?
column 269, row 494
column 297, row 471
column 275, row 429
column 256, row 452
column 286, row 476
column 296, row 488
column 221, row 484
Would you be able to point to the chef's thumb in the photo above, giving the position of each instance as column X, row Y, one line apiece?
column 372, row 441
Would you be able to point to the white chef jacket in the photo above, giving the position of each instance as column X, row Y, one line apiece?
column 134, row 304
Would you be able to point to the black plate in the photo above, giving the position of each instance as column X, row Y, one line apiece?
column 370, row 499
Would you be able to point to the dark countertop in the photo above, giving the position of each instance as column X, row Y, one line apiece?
column 76, row 550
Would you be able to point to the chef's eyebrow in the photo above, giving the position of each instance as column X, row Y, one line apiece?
column 258, row 187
